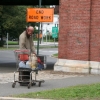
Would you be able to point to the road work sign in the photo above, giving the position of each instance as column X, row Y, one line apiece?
column 40, row 14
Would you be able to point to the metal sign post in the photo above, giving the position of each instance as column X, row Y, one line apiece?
column 38, row 31
column 54, row 42
column 38, row 38
column 39, row 15
column 7, row 40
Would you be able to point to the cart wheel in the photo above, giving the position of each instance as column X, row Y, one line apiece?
column 39, row 84
column 13, row 85
column 33, row 84
column 29, row 85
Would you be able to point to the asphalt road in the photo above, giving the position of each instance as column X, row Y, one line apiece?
column 8, row 61
column 7, row 90
column 8, row 64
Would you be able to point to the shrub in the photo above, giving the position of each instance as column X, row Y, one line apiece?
column 2, row 43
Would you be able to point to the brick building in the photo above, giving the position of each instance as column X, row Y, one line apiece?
column 79, row 36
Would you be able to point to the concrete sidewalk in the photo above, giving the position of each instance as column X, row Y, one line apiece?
column 7, row 90
column 11, row 98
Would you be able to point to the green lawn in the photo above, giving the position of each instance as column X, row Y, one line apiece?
column 12, row 43
column 16, row 42
column 13, row 48
column 55, row 55
column 80, row 92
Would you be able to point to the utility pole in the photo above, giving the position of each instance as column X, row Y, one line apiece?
column 7, row 40
column 38, row 30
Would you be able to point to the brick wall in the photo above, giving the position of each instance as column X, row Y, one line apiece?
column 74, row 29
column 95, row 31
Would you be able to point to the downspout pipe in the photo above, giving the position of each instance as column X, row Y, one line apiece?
column 90, row 36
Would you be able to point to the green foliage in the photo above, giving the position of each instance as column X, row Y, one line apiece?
column 13, row 20
column 1, row 43
column 81, row 92
column 55, row 55
column 12, row 43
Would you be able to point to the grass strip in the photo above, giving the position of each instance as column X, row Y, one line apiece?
column 80, row 92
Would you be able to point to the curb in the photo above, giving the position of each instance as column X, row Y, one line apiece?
column 12, row 98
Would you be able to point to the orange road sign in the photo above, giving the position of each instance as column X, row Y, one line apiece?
column 40, row 35
column 40, row 14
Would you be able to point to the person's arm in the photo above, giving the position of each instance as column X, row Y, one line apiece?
column 22, row 42
column 33, row 46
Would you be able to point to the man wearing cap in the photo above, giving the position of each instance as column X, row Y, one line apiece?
column 26, row 40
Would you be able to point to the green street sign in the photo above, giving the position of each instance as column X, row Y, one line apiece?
column 54, row 32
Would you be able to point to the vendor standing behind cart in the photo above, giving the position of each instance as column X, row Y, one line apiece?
column 26, row 40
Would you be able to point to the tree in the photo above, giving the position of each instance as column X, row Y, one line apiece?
column 6, row 14
column 56, row 9
column 13, row 20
